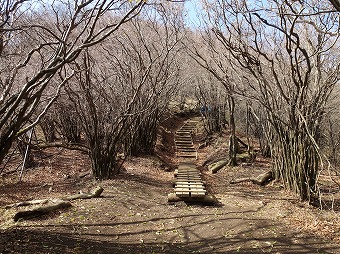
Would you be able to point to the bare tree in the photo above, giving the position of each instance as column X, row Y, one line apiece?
column 38, row 43
column 213, row 100
column 122, row 87
column 208, row 53
column 291, row 69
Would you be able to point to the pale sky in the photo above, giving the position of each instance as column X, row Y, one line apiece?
column 192, row 6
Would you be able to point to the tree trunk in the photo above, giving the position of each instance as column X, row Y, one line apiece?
column 104, row 165
column 49, row 129
column 213, row 168
column 232, row 139
column 51, row 205
column 296, row 162
column 57, row 204
column 259, row 180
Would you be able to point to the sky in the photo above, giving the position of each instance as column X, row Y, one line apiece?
column 192, row 7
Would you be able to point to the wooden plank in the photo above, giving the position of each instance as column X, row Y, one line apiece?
column 188, row 181
column 182, row 194
column 193, row 188
column 192, row 179
column 186, row 150
column 197, row 191
column 187, row 155
column 192, row 173
column 179, row 142
column 197, row 194
column 188, row 177
column 196, row 173
column 183, row 138
column 190, row 185
column 182, row 189
column 187, row 171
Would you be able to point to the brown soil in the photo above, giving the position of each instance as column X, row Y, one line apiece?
column 133, row 215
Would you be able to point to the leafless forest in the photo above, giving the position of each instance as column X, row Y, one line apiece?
column 100, row 77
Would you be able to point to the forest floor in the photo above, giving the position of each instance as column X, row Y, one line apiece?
column 134, row 216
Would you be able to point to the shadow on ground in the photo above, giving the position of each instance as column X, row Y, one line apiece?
column 188, row 236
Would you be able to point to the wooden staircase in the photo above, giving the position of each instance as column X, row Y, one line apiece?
column 188, row 184
column 183, row 139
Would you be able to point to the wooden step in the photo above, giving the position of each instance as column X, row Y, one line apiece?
column 185, row 170
column 193, row 176
column 197, row 193
column 185, row 149
column 189, row 182
column 183, row 142
column 182, row 132
column 186, row 156
column 189, row 189
column 183, row 139
column 183, row 194
column 183, row 146
column 188, row 179
column 196, row 173
column 190, row 193
column 191, row 185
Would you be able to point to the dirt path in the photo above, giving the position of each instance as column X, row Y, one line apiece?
column 133, row 216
